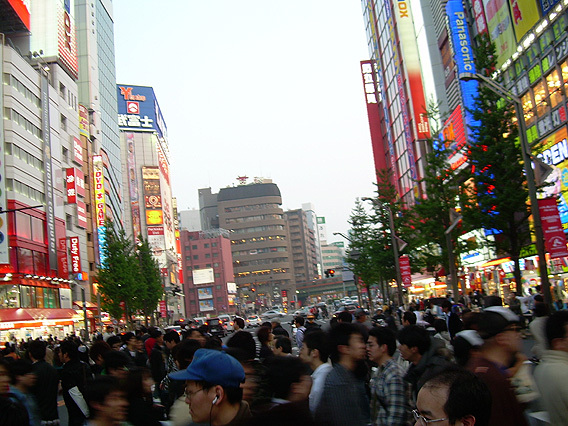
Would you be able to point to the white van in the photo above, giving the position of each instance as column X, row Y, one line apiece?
column 227, row 323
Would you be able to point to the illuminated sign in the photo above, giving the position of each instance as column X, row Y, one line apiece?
column 203, row 276
column 81, row 214
column 77, row 151
column 133, row 185
column 525, row 15
column 479, row 16
column 75, row 184
column 152, row 195
column 500, row 28
column 63, row 263
column 99, row 189
column 84, row 121
column 463, row 57
column 75, row 253
column 231, row 288
column 554, row 238
column 157, row 244
column 138, row 110
column 454, row 139
column 547, row 5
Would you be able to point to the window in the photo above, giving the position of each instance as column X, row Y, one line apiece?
column 194, row 247
column 65, row 154
column 207, row 256
column 528, row 109
column 205, row 245
column 217, row 275
column 215, row 254
column 69, row 222
column 213, row 244
column 195, row 257
column 63, row 122
column 62, row 90
column 540, row 98
column 553, row 82
column 218, row 287
column 215, row 265
column 208, row 265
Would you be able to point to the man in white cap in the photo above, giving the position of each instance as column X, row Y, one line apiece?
column 212, row 389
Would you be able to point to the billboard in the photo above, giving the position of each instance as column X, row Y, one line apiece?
column 454, row 138
column 231, row 288
column 500, row 29
column 4, row 247
column 158, row 245
column 84, row 121
column 166, row 194
column 74, row 184
column 554, row 237
column 205, row 293
column 411, row 60
column 81, row 214
column 479, row 16
column 133, row 185
column 525, row 15
column 75, row 254
column 206, row 305
column 547, row 5
column 77, row 151
column 22, row 9
column 53, row 32
column 203, row 276
column 100, row 204
column 138, row 110
column 152, row 195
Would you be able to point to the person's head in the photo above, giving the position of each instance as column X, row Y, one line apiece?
column 345, row 317
column 129, row 339
column 361, row 315
column 196, row 334
column 107, row 401
column 466, row 344
column 315, row 349
column 171, row 338
column 346, row 344
column 244, row 344
column 456, row 397
column 185, row 351
column 157, row 335
column 311, row 318
column 213, row 381
column 446, row 306
column 139, row 383
column 22, row 375
column 4, row 377
column 264, row 335
column 68, row 351
column 288, row 378
column 499, row 328
column 440, row 325
column 299, row 320
column 557, row 331
column 12, row 413
column 541, row 309
column 37, row 350
column 414, row 342
column 239, row 324
column 110, row 329
column 115, row 342
column 282, row 346
column 117, row 364
column 408, row 318
column 98, row 349
column 381, row 344
column 274, row 324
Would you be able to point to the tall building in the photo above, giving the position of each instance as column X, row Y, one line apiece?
column 148, row 203
column 302, row 246
column 311, row 218
column 190, row 220
column 208, row 209
column 209, row 285
column 333, row 256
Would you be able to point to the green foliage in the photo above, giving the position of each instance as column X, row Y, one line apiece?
column 150, row 279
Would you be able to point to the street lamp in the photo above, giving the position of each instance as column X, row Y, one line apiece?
column 394, row 243
column 531, row 183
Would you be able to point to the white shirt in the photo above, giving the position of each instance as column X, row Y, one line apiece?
column 318, row 381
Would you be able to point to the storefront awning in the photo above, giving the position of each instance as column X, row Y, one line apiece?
column 90, row 305
column 496, row 262
column 35, row 314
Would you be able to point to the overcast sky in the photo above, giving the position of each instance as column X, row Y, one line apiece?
column 267, row 88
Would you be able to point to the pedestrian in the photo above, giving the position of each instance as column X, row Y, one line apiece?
column 453, row 321
column 212, row 389
column 389, row 391
column 46, row 387
column 300, row 330
column 170, row 390
column 107, row 402
column 282, row 346
column 278, row 330
column 453, row 397
column 22, row 380
column 238, row 324
column 315, row 354
column 74, row 376
column 266, row 339
column 551, row 374
column 141, row 410
column 408, row 318
column 109, row 332
column 500, row 331
column 133, row 347
column 97, row 352
column 344, row 400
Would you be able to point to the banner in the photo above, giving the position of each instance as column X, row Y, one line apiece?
column 525, row 15
column 75, row 253
column 205, row 293
column 4, row 254
column 406, row 275
column 206, row 305
column 554, row 237
column 500, row 29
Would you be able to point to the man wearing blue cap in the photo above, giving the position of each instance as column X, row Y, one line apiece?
column 212, row 389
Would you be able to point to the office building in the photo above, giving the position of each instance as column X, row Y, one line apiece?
column 302, row 246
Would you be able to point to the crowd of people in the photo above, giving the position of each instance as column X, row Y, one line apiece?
column 458, row 368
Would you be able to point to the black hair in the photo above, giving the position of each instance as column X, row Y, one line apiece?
column 468, row 395
column 234, row 395
column 446, row 304
column 410, row 317
column 240, row 322
column 318, row 340
column 541, row 309
column 172, row 336
column 134, row 387
column 185, row 351
column 281, row 373
column 70, row 348
column 37, row 349
column 284, row 343
column 462, row 350
column 155, row 333
column 99, row 349
column 300, row 320
column 113, row 340
column 263, row 334
column 117, row 360
column 243, row 341
column 339, row 336
column 98, row 389
column 213, row 342
column 491, row 323
column 13, row 413
column 440, row 325
column 415, row 336
column 345, row 316
column 127, row 336
column 384, row 336
column 556, row 326
column 18, row 368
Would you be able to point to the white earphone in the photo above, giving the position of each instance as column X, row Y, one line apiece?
column 215, row 400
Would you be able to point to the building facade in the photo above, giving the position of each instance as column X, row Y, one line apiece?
column 302, row 246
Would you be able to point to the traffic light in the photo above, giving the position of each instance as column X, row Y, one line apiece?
column 326, row 273
column 331, row 272
column 253, row 289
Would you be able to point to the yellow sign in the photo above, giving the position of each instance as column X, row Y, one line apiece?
column 525, row 15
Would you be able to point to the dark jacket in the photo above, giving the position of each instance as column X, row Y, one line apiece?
column 142, row 413
column 139, row 359
column 455, row 324
column 280, row 331
column 158, row 363
column 45, row 389
column 74, row 373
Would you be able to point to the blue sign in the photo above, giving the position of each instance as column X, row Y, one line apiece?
column 547, row 5
column 138, row 110
column 464, row 58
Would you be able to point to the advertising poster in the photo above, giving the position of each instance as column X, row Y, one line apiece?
column 157, row 244
column 454, row 139
column 166, row 193
column 77, row 152
column 63, row 265
column 554, row 238
column 525, row 15
column 206, row 305
column 553, row 150
column 4, row 255
column 75, row 255
column 84, row 121
column 138, row 110
column 500, row 29
column 81, row 214
column 74, row 184
column 100, row 204
column 133, row 185
column 405, row 273
column 205, row 293
column 152, row 195
column 203, row 276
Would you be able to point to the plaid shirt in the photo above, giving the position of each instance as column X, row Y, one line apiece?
column 390, row 396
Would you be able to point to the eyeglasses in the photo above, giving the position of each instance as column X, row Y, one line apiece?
column 423, row 420
column 189, row 395
column 513, row 328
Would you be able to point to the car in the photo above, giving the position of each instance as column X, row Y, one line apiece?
column 253, row 321
column 216, row 327
column 302, row 312
column 176, row 328
column 200, row 321
column 351, row 308
column 273, row 313
column 227, row 322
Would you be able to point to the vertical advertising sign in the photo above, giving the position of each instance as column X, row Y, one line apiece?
column 133, row 185
column 525, row 15
column 100, row 205
column 63, row 266
column 84, row 121
column 22, row 9
column 163, row 308
column 463, row 56
column 152, row 195
column 479, row 16
column 48, row 167
column 500, row 28
column 77, row 151
column 454, row 139
column 75, row 253
column 158, row 245
column 405, row 273
column 554, row 237
column 4, row 254
column 75, row 184
column 81, row 214
column 166, row 194
column 411, row 61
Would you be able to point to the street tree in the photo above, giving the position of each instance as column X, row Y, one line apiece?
column 150, row 279
column 495, row 198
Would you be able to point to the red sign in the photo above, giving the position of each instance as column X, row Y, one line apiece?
column 133, row 107
column 75, row 184
column 406, row 275
column 554, row 238
column 163, row 308
column 22, row 10
column 62, row 260
column 67, row 43
column 77, row 151
column 81, row 214
column 75, row 255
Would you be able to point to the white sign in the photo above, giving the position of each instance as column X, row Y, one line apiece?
column 231, row 288
column 203, row 276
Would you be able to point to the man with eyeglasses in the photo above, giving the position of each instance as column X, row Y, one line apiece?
column 500, row 331
column 212, row 389
column 454, row 397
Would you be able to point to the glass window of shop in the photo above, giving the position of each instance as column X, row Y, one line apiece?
column 564, row 68
column 528, row 109
column 554, row 88
column 541, row 99
column 27, row 296
column 9, row 296
column 545, row 40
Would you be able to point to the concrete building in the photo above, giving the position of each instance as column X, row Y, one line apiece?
column 209, row 285
column 208, row 209
column 311, row 217
column 333, row 255
column 190, row 220
column 302, row 245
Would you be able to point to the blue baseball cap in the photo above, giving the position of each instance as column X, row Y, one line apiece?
column 214, row 367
